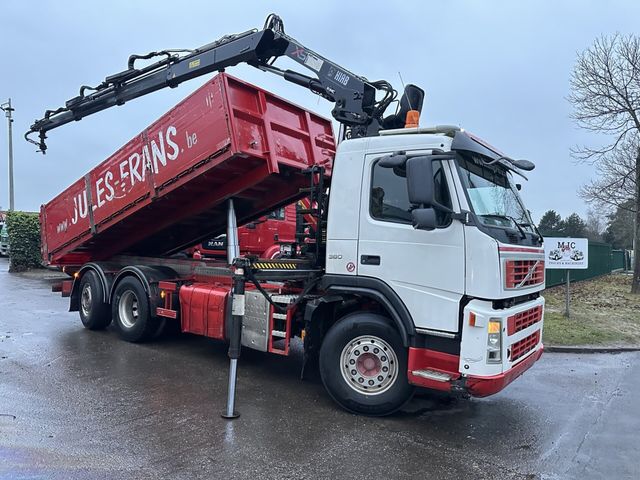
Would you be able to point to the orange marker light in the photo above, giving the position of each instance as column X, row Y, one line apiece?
column 472, row 319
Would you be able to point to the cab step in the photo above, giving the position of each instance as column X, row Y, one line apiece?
column 280, row 324
column 432, row 375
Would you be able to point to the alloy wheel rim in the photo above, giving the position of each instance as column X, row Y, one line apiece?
column 128, row 309
column 369, row 365
column 85, row 300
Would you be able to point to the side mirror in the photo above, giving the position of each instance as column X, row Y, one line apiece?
column 523, row 164
column 421, row 191
column 420, row 183
column 396, row 161
column 424, row 218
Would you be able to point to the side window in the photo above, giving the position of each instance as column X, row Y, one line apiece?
column 277, row 214
column 389, row 200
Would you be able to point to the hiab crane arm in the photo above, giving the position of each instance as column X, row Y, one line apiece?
column 356, row 106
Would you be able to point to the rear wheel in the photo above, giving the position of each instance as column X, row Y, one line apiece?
column 94, row 312
column 363, row 365
column 131, row 312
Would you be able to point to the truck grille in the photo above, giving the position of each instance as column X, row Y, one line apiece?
column 517, row 273
column 524, row 346
column 522, row 320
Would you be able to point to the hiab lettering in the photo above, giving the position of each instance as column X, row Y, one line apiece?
column 130, row 171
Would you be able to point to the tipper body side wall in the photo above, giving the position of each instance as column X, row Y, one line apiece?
column 166, row 188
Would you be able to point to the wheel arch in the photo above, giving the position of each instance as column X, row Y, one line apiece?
column 146, row 275
column 340, row 287
column 271, row 252
column 105, row 279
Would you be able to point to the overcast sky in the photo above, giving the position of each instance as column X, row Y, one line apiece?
column 500, row 69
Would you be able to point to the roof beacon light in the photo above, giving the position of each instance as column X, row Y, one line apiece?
column 412, row 120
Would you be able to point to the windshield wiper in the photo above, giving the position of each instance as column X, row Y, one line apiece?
column 518, row 226
column 534, row 226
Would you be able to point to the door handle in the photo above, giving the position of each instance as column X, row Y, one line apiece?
column 370, row 259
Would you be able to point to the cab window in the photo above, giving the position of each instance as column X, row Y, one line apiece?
column 389, row 200
column 277, row 214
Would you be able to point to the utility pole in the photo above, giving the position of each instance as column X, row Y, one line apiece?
column 6, row 108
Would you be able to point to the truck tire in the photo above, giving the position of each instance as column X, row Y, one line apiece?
column 131, row 312
column 363, row 365
column 94, row 312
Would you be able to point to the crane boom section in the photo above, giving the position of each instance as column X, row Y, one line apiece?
column 354, row 97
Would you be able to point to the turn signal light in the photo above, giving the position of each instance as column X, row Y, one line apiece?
column 163, row 294
column 494, row 327
column 494, row 341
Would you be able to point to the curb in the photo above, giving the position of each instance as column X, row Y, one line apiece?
column 567, row 349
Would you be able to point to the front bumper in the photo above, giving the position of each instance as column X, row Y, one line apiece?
column 476, row 370
column 485, row 386
column 519, row 340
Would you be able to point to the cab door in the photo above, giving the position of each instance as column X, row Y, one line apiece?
column 426, row 269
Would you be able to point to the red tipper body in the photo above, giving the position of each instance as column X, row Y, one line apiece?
column 166, row 188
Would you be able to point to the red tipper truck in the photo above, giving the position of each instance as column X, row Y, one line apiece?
column 269, row 236
column 418, row 266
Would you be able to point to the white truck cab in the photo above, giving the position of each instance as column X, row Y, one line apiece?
column 462, row 267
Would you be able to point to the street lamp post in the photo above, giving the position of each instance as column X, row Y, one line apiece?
column 6, row 108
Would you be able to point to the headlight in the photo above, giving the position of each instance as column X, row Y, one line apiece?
column 494, row 341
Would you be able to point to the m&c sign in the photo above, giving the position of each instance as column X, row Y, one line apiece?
column 566, row 253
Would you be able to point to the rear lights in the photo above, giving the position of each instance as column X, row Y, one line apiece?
column 494, row 341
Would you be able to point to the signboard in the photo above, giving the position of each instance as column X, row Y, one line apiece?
column 566, row 253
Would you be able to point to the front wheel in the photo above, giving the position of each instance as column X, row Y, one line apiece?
column 363, row 365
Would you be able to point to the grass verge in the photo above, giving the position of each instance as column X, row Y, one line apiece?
column 604, row 312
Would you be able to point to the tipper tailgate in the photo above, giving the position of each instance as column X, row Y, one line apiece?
column 166, row 188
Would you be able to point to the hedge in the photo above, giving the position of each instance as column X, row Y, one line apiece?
column 24, row 241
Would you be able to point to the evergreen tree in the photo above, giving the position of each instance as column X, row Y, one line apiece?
column 574, row 226
column 551, row 224
column 619, row 232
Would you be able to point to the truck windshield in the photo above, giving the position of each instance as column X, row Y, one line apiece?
column 493, row 197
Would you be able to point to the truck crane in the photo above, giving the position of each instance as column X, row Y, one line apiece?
column 423, row 268
column 356, row 106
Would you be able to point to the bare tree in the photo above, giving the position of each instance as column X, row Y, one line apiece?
column 615, row 182
column 606, row 98
column 595, row 225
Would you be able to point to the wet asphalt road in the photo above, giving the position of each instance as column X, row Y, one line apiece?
column 76, row 404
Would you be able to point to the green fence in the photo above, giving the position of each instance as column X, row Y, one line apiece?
column 619, row 260
column 602, row 260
